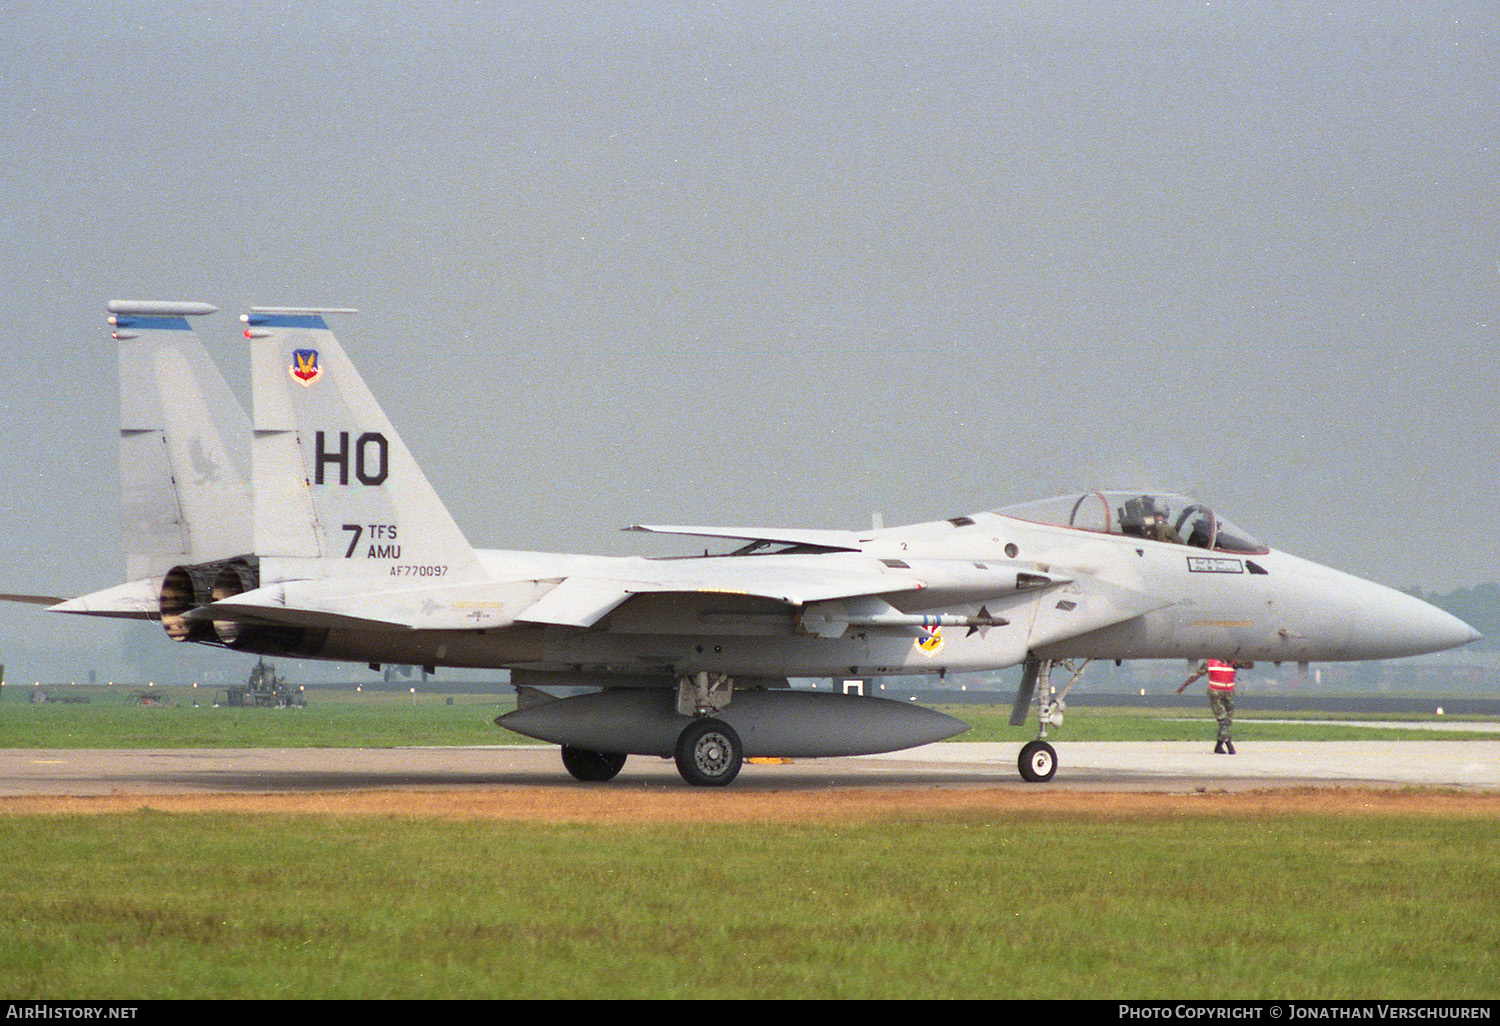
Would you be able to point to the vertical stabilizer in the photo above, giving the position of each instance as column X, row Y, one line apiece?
column 337, row 493
column 184, row 443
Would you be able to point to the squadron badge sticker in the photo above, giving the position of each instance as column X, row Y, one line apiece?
column 933, row 640
column 305, row 367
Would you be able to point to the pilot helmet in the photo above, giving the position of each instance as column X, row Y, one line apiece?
column 1142, row 512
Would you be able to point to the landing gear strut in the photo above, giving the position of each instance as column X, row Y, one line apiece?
column 709, row 752
column 1038, row 759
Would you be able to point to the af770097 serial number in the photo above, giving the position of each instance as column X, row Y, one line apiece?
column 409, row 570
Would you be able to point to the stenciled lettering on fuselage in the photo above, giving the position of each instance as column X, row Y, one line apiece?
column 382, row 543
column 1214, row 565
column 368, row 457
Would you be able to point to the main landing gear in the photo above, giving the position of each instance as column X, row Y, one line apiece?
column 1038, row 759
column 708, row 751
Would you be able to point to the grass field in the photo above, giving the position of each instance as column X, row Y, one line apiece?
column 910, row 904
column 150, row 905
column 114, row 718
column 332, row 719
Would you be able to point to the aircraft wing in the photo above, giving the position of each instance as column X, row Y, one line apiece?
column 580, row 600
column 585, row 600
column 577, row 602
column 560, row 595
column 827, row 541
column 1054, row 608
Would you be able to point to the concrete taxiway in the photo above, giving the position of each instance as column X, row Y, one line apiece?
column 1165, row 767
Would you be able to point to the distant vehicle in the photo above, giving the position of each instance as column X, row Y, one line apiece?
column 41, row 695
column 265, row 689
column 338, row 548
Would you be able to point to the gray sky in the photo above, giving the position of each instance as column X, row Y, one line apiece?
column 781, row 264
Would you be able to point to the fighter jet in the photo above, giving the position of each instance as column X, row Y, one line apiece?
column 340, row 549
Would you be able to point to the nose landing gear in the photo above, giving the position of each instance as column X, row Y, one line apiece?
column 1038, row 762
column 1038, row 759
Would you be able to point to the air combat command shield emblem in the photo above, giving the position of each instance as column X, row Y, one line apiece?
column 305, row 367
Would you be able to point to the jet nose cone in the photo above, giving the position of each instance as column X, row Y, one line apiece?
column 1468, row 634
column 1419, row 628
column 1328, row 614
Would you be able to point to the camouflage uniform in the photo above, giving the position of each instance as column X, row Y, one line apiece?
column 1222, row 703
column 1220, row 699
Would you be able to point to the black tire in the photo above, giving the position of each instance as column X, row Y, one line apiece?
column 1038, row 762
column 709, row 753
column 590, row 766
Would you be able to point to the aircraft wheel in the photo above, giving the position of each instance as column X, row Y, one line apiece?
column 709, row 753
column 1038, row 762
column 591, row 766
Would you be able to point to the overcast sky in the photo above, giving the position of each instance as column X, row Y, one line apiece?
column 781, row 264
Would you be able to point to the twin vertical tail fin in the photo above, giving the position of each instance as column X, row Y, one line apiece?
column 184, row 443
column 184, row 461
column 317, row 492
column 337, row 493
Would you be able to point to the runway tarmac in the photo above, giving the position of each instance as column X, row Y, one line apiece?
column 1153, row 767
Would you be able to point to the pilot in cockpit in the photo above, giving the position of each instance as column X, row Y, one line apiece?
column 1202, row 534
column 1146, row 517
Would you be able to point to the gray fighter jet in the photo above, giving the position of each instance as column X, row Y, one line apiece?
column 340, row 549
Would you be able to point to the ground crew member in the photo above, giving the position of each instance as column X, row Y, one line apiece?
column 1220, row 698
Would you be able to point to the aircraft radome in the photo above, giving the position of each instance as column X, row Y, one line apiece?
column 310, row 531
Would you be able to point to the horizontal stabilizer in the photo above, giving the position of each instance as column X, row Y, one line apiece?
column 136, row 600
column 34, row 600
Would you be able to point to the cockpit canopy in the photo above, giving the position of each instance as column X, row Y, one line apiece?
column 1160, row 517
